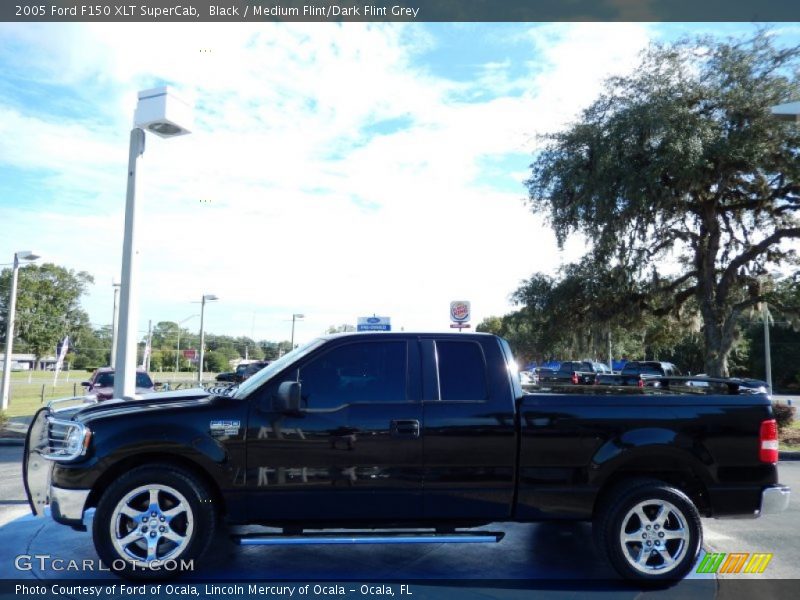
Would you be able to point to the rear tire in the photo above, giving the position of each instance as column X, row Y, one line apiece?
column 152, row 521
column 649, row 531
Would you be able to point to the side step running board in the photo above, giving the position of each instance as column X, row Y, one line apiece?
column 370, row 537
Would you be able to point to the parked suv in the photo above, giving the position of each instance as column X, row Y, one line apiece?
column 650, row 367
column 640, row 373
column 243, row 371
column 101, row 384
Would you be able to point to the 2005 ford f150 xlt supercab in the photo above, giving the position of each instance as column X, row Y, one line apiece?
column 391, row 431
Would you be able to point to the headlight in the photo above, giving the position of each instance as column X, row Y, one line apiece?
column 66, row 440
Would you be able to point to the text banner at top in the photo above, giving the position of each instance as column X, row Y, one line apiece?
column 408, row 11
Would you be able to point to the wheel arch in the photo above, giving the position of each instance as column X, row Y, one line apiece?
column 667, row 464
column 131, row 462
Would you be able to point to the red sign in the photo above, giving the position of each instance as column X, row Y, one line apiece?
column 190, row 354
column 459, row 311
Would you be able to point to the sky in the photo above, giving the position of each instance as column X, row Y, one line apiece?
column 333, row 170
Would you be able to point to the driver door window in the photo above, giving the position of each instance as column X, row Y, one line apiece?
column 372, row 372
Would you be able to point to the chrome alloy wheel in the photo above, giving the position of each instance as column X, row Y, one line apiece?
column 151, row 523
column 654, row 537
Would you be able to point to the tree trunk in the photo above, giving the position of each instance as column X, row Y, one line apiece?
column 719, row 336
column 718, row 342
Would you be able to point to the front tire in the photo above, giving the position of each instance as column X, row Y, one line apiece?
column 650, row 531
column 153, row 521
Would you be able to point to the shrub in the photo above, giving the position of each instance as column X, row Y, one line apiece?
column 784, row 415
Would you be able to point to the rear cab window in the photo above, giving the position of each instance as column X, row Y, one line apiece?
column 462, row 371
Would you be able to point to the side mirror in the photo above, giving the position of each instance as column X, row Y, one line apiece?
column 86, row 383
column 288, row 398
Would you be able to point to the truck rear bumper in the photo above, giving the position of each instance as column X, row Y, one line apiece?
column 775, row 499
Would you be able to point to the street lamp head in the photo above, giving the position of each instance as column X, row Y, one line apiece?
column 160, row 111
column 298, row 316
column 209, row 298
column 26, row 255
column 787, row 112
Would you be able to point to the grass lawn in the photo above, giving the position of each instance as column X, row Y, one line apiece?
column 28, row 388
column 790, row 439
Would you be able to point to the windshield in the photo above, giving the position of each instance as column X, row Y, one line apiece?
column 107, row 380
column 104, row 380
column 274, row 367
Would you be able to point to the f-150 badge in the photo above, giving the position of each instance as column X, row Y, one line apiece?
column 220, row 428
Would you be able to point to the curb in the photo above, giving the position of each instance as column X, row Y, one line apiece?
column 12, row 441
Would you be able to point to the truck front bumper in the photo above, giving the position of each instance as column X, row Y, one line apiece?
column 775, row 499
column 67, row 506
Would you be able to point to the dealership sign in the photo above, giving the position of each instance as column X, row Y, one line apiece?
column 374, row 324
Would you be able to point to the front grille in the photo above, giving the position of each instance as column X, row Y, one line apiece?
column 66, row 440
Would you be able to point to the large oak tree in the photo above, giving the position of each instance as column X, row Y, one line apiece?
column 680, row 175
column 48, row 306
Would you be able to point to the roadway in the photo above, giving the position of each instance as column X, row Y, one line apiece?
column 555, row 559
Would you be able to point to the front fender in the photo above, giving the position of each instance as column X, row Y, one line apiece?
column 132, row 445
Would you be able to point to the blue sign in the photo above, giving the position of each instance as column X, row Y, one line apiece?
column 374, row 324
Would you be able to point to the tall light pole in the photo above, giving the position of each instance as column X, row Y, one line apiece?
column 294, row 318
column 114, row 325
column 789, row 112
column 206, row 298
column 24, row 256
column 159, row 112
column 767, row 351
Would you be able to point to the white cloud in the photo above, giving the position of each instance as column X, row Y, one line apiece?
column 305, row 211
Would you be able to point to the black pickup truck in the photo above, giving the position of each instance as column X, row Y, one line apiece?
column 576, row 372
column 639, row 373
column 391, row 431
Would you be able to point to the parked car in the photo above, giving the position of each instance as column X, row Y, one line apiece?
column 640, row 373
column 243, row 371
column 433, row 425
column 101, row 383
column 528, row 378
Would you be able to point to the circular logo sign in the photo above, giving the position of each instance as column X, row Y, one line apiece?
column 459, row 311
column 373, row 320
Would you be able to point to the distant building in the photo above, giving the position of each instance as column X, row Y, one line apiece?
column 25, row 362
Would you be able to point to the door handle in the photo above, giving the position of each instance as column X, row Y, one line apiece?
column 405, row 428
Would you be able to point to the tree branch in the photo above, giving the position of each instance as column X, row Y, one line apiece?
column 750, row 254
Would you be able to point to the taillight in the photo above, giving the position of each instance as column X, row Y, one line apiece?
column 575, row 379
column 769, row 441
column 640, row 383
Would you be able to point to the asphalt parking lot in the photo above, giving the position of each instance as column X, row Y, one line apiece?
column 557, row 560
